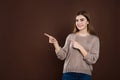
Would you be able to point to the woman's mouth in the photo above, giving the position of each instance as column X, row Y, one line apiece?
column 80, row 26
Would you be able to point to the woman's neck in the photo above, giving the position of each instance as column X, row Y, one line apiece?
column 83, row 32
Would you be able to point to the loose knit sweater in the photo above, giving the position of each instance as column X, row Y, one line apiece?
column 74, row 60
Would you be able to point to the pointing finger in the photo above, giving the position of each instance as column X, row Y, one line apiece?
column 72, row 40
column 47, row 35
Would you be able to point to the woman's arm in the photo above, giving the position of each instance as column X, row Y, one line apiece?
column 53, row 41
column 60, row 52
column 76, row 45
column 91, row 56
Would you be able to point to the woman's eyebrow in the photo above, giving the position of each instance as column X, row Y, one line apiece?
column 76, row 19
column 81, row 18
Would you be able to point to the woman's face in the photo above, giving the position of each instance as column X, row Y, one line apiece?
column 81, row 22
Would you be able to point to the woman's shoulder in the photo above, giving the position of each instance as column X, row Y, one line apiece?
column 70, row 35
column 95, row 37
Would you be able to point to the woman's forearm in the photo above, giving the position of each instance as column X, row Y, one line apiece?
column 57, row 47
column 83, row 51
column 79, row 47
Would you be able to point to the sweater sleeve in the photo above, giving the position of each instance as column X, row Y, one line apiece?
column 62, row 53
column 93, row 54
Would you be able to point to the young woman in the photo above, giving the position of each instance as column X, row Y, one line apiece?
column 81, row 49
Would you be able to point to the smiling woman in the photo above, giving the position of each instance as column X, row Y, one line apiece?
column 83, row 19
column 81, row 22
column 81, row 49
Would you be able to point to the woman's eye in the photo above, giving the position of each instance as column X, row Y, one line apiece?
column 76, row 20
column 81, row 19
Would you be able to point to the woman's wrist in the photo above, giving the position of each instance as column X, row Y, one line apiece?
column 83, row 51
column 57, row 47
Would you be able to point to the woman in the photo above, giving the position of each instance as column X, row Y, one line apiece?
column 81, row 49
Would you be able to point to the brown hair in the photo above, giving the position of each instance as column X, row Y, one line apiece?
column 90, row 28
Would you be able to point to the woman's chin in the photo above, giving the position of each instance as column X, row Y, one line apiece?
column 81, row 28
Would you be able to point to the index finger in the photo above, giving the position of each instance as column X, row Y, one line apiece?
column 72, row 40
column 47, row 35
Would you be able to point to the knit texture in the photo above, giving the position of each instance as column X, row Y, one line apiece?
column 74, row 60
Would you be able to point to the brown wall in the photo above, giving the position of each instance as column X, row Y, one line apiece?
column 25, row 53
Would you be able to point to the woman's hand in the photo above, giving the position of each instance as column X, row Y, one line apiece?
column 52, row 40
column 75, row 44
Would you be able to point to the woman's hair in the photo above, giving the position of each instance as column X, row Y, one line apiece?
column 90, row 28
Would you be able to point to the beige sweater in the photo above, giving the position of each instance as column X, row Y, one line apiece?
column 74, row 60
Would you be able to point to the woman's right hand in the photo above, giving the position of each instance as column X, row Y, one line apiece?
column 52, row 40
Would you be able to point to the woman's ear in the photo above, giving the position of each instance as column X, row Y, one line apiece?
column 87, row 22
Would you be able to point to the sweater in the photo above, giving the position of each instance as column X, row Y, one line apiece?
column 74, row 61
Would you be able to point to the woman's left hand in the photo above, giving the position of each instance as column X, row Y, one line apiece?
column 75, row 44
